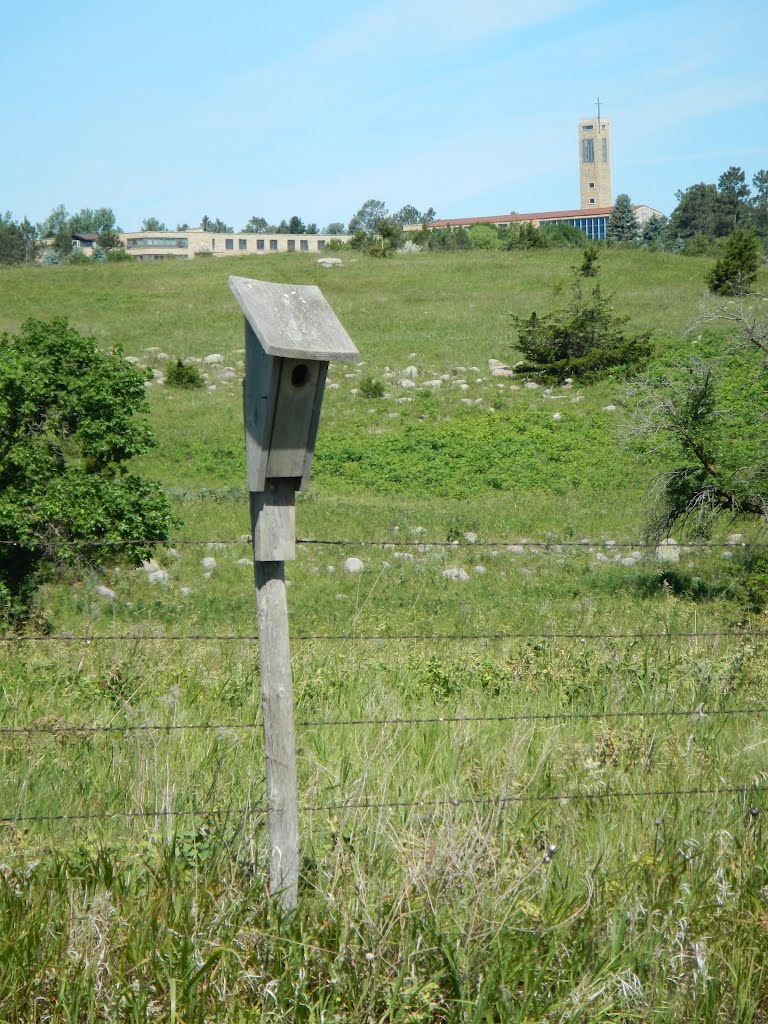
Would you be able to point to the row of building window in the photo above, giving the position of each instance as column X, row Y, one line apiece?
column 595, row 228
column 229, row 244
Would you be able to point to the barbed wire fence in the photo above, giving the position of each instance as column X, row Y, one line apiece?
column 754, row 787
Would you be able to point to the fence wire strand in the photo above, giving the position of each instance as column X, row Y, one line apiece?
column 355, row 637
column 383, row 805
column 547, row 545
column 342, row 723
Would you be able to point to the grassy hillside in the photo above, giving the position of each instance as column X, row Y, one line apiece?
column 525, row 796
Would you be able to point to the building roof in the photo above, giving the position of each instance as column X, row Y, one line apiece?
column 521, row 218
column 85, row 236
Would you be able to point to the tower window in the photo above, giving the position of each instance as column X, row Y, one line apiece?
column 591, row 184
column 588, row 151
column 605, row 151
column 588, row 127
column 592, row 201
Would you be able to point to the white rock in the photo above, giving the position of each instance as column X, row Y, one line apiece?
column 329, row 261
column 353, row 565
column 406, row 556
column 466, row 401
column 213, row 359
column 600, row 557
column 434, row 384
column 470, row 537
column 557, row 416
column 133, row 360
column 406, row 383
column 628, row 561
column 734, row 538
column 610, row 408
column 497, row 364
column 531, row 385
column 411, row 371
column 727, row 554
column 160, row 379
column 244, row 561
column 502, row 371
column 163, row 355
column 463, row 386
column 480, row 570
column 516, row 549
column 227, row 374
column 459, row 575
column 211, row 388
column 150, row 565
column 332, row 387
column 208, row 563
column 157, row 576
column 103, row 591
column 186, row 591
column 152, row 349
column 330, row 568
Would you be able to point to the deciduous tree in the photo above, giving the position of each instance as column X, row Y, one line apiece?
column 70, row 422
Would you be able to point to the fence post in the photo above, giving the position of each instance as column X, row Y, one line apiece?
column 277, row 707
column 291, row 334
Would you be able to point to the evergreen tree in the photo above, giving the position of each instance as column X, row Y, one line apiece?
column 736, row 270
column 622, row 224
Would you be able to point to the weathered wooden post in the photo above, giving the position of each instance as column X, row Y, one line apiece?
column 291, row 334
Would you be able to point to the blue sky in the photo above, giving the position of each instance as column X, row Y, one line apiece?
column 247, row 107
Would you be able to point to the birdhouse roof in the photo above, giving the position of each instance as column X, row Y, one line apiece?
column 293, row 320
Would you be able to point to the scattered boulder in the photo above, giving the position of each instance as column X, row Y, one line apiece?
column 105, row 592
column 610, row 408
column 734, row 538
column 208, row 563
column 456, row 574
column 480, row 570
column 531, row 385
column 434, row 384
column 470, row 537
column 411, row 371
column 407, row 383
column 329, row 261
column 354, row 565
column 213, row 359
column 157, row 576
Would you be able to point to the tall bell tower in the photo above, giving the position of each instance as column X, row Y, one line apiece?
column 595, row 155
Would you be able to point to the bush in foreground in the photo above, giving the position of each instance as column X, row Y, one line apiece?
column 68, row 429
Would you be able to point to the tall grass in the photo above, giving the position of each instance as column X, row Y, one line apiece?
column 463, row 858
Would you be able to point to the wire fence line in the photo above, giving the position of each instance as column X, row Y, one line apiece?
column 548, row 545
column 309, row 637
column 342, row 723
column 386, row 805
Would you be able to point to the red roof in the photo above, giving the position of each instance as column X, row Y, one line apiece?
column 519, row 218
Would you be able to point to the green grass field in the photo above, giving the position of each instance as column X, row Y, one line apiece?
column 510, row 825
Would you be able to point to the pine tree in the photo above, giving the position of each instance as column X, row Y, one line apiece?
column 622, row 224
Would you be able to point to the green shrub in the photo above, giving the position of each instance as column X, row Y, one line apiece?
column 586, row 339
column 370, row 387
column 68, row 430
column 179, row 375
column 736, row 270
